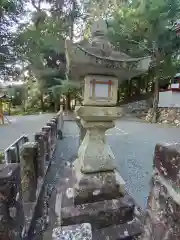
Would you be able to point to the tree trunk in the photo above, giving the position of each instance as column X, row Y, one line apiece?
column 68, row 102
column 155, row 101
column 129, row 88
column 1, row 113
column 147, row 84
column 42, row 102
column 138, row 87
column 24, row 105
column 56, row 105
column 9, row 108
column 118, row 96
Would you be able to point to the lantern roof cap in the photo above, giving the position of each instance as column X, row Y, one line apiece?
column 100, row 47
column 98, row 56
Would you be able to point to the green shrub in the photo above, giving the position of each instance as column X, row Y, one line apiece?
column 1, row 157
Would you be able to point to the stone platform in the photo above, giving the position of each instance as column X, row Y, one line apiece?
column 113, row 218
column 63, row 181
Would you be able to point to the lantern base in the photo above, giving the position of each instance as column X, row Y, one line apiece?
column 93, row 187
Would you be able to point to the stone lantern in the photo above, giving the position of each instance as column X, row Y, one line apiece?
column 101, row 68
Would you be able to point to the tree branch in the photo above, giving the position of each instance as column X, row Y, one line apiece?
column 37, row 7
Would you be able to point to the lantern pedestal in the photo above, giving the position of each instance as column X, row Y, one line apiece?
column 95, row 169
column 98, row 195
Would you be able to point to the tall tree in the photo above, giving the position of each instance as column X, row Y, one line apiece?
column 145, row 28
column 41, row 44
column 11, row 12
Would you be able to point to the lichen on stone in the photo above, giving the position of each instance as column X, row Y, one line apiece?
column 74, row 232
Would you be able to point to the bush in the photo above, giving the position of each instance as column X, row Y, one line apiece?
column 20, row 112
column 1, row 157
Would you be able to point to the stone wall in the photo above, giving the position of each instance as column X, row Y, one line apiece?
column 137, row 108
column 143, row 109
column 166, row 116
column 162, row 220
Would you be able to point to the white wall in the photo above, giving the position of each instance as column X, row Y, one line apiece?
column 169, row 99
column 175, row 85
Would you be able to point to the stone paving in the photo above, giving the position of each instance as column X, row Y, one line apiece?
column 21, row 125
column 133, row 145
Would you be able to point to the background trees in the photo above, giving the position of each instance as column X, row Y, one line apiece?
column 146, row 28
column 11, row 12
column 137, row 28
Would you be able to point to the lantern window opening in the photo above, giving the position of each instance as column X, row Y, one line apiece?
column 94, row 85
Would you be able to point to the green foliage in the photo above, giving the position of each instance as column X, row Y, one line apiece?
column 145, row 28
column 137, row 28
column 65, row 87
column 41, row 46
column 17, row 93
column 1, row 157
column 10, row 12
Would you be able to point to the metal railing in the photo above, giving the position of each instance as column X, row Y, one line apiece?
column 12, row 153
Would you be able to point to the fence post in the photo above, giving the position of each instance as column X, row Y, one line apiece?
column 60, row 124
column 53, row 133
column 11, row 155
column 11, row 208
column 46, row 130
column 39, row 138
column 55, row 129
column 55, row 119
column 25, row 139
column 29, row 171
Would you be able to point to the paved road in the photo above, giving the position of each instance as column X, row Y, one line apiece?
column 134, row 149
column 133, row 144
column 21, row 125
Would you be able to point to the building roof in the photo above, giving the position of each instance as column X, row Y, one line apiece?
column 4, row 97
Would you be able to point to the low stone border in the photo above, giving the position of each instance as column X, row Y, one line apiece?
column 163, row 211
column 166, row 116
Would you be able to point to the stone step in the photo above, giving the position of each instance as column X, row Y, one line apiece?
column 127, row 231
column 99, row 214
column 73, row 232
